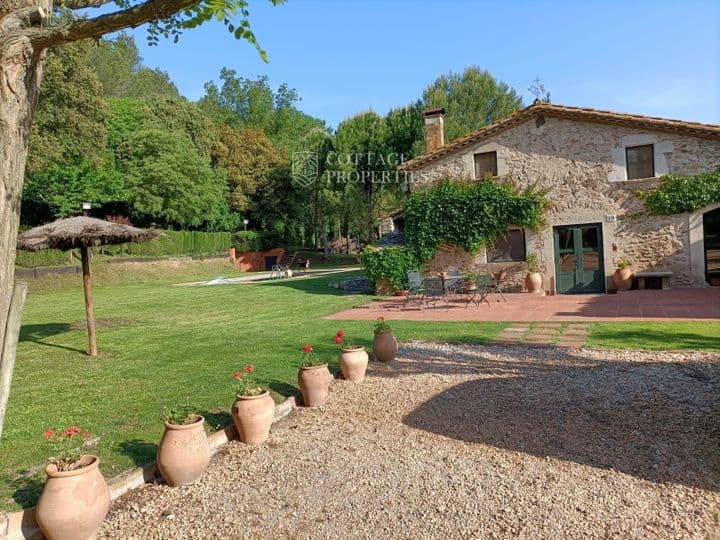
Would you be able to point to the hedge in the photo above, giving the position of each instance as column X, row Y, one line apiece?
column 169, row 244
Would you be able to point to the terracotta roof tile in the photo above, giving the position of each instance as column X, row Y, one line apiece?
column 581, row 114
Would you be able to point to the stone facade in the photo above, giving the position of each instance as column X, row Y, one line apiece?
column 581, row 166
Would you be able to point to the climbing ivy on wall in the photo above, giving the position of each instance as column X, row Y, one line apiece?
column 468, row 214
column 679, row 194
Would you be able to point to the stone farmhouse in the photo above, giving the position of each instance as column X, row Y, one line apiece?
column 592, row 164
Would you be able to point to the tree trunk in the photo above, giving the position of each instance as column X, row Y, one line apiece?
column 20, row 75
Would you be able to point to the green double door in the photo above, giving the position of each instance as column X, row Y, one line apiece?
column 579, row 259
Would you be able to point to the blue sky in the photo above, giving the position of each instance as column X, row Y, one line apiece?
column 659, row 58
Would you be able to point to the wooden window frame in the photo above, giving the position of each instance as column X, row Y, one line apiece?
column 475, row 171
column 509, row 260
column 627, row 161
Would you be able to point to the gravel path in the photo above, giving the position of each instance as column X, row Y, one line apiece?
column 461, row 442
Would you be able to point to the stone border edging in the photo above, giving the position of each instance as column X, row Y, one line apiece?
column 21, row 525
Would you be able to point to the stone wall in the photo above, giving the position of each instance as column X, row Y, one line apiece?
column 577, row 164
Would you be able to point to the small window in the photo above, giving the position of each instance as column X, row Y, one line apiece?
column 485, row 163
column 509, row 247
column 640, row 161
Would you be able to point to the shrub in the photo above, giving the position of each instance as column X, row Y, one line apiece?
column 391, row 263
column 244, row 241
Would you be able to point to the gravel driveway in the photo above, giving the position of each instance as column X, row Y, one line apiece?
column 464, row 441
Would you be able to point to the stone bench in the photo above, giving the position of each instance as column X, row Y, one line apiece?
column 663, row 276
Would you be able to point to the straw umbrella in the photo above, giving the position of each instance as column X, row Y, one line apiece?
column 83, row 232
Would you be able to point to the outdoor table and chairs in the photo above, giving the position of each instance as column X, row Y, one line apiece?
column 439, row 288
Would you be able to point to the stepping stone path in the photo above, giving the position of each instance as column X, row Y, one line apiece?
column 560, row 334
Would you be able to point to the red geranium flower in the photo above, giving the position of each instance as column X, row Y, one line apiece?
column 340, row 334
column 72, row 431
column 238, row 375
column 338, row 339
column 307, row 348
column 49, row 434
column 249, row 368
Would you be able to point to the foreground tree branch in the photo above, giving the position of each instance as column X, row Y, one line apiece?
column 96, row 27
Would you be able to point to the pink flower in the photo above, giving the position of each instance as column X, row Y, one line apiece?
column 49, row 434
column 238, row 375
column 307, row 348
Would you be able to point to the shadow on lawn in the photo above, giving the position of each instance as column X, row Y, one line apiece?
column 315, row 285
column 28, row 488
column 650, row 337
column 659, row 421
column 141, row 452
column 36, row 333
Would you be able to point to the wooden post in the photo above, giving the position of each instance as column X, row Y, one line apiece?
column 87, row 288
column 12, row 334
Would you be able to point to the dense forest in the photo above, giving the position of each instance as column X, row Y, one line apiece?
column 111, row 131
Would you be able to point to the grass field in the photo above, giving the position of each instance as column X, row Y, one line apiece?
column 160, row 343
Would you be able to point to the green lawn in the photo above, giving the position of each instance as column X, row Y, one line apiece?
column 160, row 343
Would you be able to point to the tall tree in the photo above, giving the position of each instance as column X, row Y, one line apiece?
column 167, row 179
column 27, row 31
column 120, row 70
column 246, row 103
column 471, row 99
column 248, row 157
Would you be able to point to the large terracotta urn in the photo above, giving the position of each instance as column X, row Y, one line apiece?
column 623, row 279
column 533, row 282
column 353, row 363
column 314, row 384
column 385, row 346
column 253, row 416
column 184, row 452
column 74, row 503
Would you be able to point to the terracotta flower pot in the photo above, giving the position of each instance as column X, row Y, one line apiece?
column 385, row 346
column 253, row 416
column 73, row 503
column 533, row 282
column 184, row 452
column 353, row 363
column 623, row 279
column 314, row 383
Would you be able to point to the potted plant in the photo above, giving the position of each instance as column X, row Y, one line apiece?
column 385, row 346
column 253, row 409
column 470, row 280
column 184, row 452
column 314, row 378
column 623, row 275
column 353, row 358
column 76, row 497
column 534, row 279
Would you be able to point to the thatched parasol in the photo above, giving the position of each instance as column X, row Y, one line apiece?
column 83, row 232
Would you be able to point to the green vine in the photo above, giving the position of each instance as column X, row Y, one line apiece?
column 678, row 194
column 468, row 214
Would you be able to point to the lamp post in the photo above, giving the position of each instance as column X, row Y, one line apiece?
column 245, row 223
column 86, row 206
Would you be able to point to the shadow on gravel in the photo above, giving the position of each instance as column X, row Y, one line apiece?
column 659, row 421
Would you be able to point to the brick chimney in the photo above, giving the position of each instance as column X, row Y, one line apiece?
column 434, row 129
